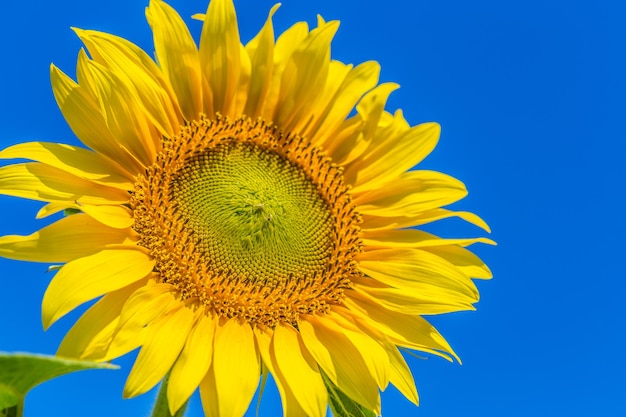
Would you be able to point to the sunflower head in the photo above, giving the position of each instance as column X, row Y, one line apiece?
column 241, row 209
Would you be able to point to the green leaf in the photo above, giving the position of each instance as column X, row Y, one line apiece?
column 20, row 372
column 343, row 406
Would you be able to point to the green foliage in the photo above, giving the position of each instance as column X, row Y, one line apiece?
column 20, row 372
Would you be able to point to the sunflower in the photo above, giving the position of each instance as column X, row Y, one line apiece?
column 242, row 210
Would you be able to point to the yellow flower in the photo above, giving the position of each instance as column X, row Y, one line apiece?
column 235, row 217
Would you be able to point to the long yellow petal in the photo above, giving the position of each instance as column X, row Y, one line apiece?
column 412, row 238
column 37, row 181
column 323, row 100
column 371, row 222
column 286, row 43
column 401, row 376
column 71, row 237
column 91, row 335
column 299, row 370
column 193, row 363
column 357, row 82
column 177, row 55
column 369, row 343
column 208, row 394
column 220, row 56
column 83, row 115
column 80, row 162
column 464, row 260
column 117, row 217
column 165, row 339
column 291, row 406
column 411, row 193
column 419, row 300
column 243, row 85
column 327, row 342
column 415, row 269
column 261, row 52
column 236, row 368
column 370, row 110
column 142, row 307
column 393, row 156
column 304, row 76
column 106, row 271
column 403, row 329
column 122, row 111
column 138, row 74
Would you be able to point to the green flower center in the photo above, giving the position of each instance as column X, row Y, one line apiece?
column 256, row 215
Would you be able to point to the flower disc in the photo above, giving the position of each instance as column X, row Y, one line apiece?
column 257, row 217
column 264, row 218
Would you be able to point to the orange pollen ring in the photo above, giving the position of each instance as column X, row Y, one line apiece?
column 248, row 222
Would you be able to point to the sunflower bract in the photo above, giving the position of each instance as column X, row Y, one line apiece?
column 239, row 208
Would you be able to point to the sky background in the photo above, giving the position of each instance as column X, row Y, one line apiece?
column 531, row 99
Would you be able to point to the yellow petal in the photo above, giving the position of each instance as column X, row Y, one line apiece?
column 138, row 73
column 165, row 339
column 401, row 376
column 362, row 129
column 291, row 406
column 369, row 344
column 323, row 100
column 208, row 395
column 143, row 306
column 86, row 278
column 121, row 109
column 298, row 369
column 403, row 329
column 80, row 162
column 83, row 115
column 37, row 181
column 91, row 335
column 415, row 270
column 412, row 238
column 261, row 52
column 371, row 222
column 71, row 237
column 411, row 193
column 55, row 207
column 236, row 368
column 193, row 362
column 287, row 42
column 393, row 156
column 463, row 260
column 327, row 342
column 371, row 108
column 425, row 300
column 117, row 217
column 220, row 55
column 177, row 55
column 358, row 81
column 243, row 86
column 304, row 76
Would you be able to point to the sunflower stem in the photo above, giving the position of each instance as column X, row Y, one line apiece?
column 161, row 406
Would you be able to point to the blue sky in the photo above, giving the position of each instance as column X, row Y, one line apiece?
column 530, row 96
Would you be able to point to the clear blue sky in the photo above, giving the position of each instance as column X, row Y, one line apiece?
column 531, row 99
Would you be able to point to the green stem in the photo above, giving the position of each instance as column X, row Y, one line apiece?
column 161, row 407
